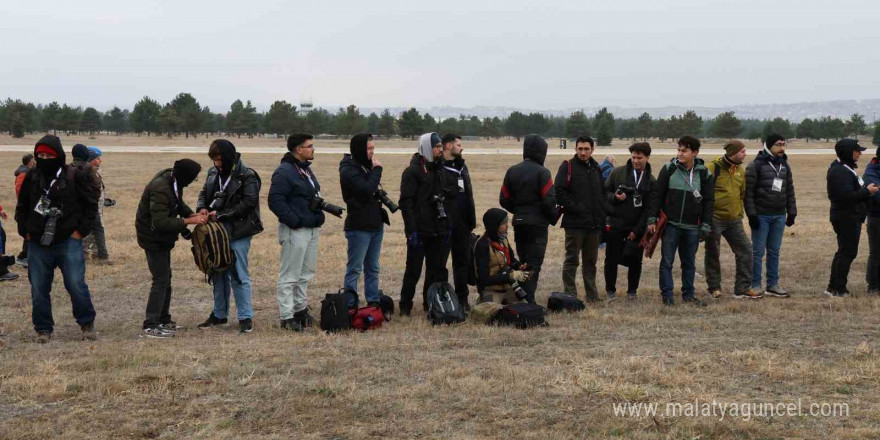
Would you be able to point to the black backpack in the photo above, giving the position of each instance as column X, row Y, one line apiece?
column 386, row 303
column 334, row 312
column 443, row 307
column 472, row 264
column 522, row 315
column 561, row 302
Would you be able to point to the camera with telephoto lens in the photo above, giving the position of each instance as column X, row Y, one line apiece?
column 52, row 215
column 319, row 204
column 219, row 201
column 518, row 291
column 438, row 200
column 623, row 189
column 382, row 197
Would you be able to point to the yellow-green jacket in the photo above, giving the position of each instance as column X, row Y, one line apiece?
column 730, row 188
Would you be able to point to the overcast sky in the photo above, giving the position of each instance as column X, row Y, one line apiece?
column 527, row 54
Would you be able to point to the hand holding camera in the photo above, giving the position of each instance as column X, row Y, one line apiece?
column 520, row 276
column 319, row 204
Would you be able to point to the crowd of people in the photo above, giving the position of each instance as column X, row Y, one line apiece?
column 628, row 210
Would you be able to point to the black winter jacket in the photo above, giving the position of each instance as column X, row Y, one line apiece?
column 624, row 215
column 581, row 194
column 760, row 199
column 160, row 213
column 420, row 182
column 461, row 206
column 241, row 209
column 359, row 184
column 527, row 191
column 849, row 198
column 290, row 193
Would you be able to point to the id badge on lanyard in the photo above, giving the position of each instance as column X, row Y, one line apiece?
column 42, row 207
column 637, row 197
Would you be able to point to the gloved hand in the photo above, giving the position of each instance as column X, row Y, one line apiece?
column 413, row 240
column 789, row 221
column 519, row 276
column 754, row 223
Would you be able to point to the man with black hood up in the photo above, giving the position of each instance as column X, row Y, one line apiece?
column 426, row 192
column 849, row 205
column 231, row 196
column 496, row 264
column 81, row 164
column 162, row 215
column 56, row 209
column 360, row 176
column 528, row 193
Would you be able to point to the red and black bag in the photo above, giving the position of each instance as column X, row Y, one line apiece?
column 367, row 318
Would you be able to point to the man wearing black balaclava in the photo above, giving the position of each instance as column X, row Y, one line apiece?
column 360, row 176
column 56, row 209
column 161, row 216
column 849, row 205
column 528, row 193
column 231, row 196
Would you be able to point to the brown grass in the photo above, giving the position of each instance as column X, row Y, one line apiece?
column 411, row 380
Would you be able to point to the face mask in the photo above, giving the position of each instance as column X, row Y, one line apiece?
column 502, row 237
column 49, row 166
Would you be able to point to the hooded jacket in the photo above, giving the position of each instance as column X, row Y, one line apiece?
column 493, row 256
column 420, row 182
column 527, row 190
column 291, row 192
column 71, row 192
column 847, row 194
column 359, row 181
column 760, row 197
column 674, row 194
column 241, row 208
column 461, row 206
column 581, row 194
column 730, row 188
column 624, row 215
column 160, row 213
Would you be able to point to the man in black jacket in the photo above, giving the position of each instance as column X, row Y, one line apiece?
column 231, row 196
column 580, row 190
column 56, row 209
column 461, row 213
column 292, row 194
column 425, row 194
column 360, row 175
column 628, row 189
column 849, row 206
column 527, row 192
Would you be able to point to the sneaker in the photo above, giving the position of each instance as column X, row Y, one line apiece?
column 156, row 333
column 43, row 337
column 21, row 261
column 631, row 296
column 212, row 321
column 9, row 276
column 842, row 295
column 405, row 311
column 170, row 327
column 777, row 291
column 716, row 293
column 694, row 301
column 88, row 332
column 246, row 325
column 103, row 261
column 831, row 293
column 610, row 297
column 305, row 320
column 668, row 301
column 291, row 324
column 748, row 294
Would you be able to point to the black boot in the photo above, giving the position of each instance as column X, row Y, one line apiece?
column 303, row 318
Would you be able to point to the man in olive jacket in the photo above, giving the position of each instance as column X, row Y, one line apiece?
column 161, row 216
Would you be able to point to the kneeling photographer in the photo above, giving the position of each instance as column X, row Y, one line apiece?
column 295, row 198
column 231, row 196
column 498, row 271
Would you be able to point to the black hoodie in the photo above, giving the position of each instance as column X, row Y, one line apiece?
column 490, row 242
column 849, row 197
column 70, row 192
column 527, row 191
column 359, row 181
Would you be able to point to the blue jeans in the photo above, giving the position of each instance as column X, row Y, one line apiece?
column 42, row 261
column 235, row 280
column 685, row 241
column 768, row 236
column 363, row 254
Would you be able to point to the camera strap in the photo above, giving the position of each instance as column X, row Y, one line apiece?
column 637, row 178
column 52, row 183
column 308, row 176
column 224, row 185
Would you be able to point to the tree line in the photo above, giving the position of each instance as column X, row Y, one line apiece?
column 183, row 115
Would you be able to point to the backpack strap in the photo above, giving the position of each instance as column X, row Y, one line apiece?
column 568, row 177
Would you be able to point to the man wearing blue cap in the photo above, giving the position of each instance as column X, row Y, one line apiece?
column 96, row 243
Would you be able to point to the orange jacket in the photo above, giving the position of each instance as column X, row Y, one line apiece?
column 18, row 180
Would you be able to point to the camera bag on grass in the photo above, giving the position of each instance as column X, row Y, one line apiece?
column 562, row 302
column 485, row 312
column 211, row 249
column 367, row 318
column 386, row 303
column 522, row 315
column 334, row 312
column 443, row 307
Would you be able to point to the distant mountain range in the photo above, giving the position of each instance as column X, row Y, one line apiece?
column 869, row 108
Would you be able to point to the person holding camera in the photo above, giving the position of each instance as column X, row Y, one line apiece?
column 462, row 215
column 360, row 176
column 96, row 243
column 499, row 274
column 162, row 216
column 294, row 197
column 580, row 191
column 629, row 189
column 231, row 196
column 56, row 208
column 425, row 194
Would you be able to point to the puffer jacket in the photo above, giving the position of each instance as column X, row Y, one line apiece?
column 291, row 192
column 420, row 182
column 847, row 195
column 730, row 188
column 581, row 193
column 527, row 190
column 674, row 195
column 760, row 198
column 160, row 213
column 241, row 210
column 359, row 184
column 624, row 215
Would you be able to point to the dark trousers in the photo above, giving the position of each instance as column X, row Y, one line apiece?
column 159, row 301
column 434, row 252
column 24, row 253
column 531, row 244
column 2, row 240
column 461, row 260
column 615, row 240
column 581, row 244
column 415, row 259
column 873, row 272
column 733, row 232
column 848, row 233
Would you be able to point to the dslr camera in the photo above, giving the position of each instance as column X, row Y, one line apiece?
column 218, row 202
column 319, row 204
column 438, row 200
column 382, row 197
column 52, row 215
column 518, row 291
column 623, row 189
column 109, row 202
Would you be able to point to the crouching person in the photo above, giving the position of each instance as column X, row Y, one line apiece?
column 162, row 215
column 56, row 209
column 231, row 196
column 498, row 271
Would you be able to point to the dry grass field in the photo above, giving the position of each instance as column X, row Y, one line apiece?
column 411, row 380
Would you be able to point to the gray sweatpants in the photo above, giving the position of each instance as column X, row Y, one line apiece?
column 299, row 262
column 733, row 232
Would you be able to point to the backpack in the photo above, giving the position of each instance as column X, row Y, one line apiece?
column 485, row 312
column 559, row 208
column 386, row 303
column 334, row 312
column 367, row 318
column 560, row 302
column 472, row 266
column 522, row 315
column 443, row 307
column 211, row 249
